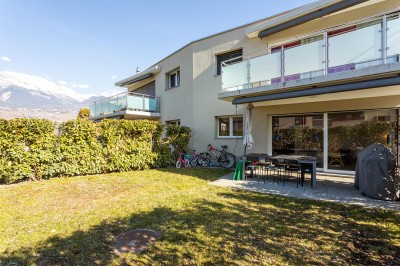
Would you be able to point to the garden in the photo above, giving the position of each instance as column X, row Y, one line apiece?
column 74, row 221
column 107, row 178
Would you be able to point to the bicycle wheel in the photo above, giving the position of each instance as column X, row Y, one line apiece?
column 187, row 163
column 228, row 160
column 204, row 159
column 178, row 164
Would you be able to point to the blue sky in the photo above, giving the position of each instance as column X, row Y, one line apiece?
column 91, row 44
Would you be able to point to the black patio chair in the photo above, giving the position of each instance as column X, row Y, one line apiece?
column 292, row 166
column 262, row 169
column 277, row 167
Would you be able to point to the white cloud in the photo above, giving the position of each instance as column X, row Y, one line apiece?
column 5, row 59
column 81, row 86
column 115, row 91
column 62, row 83
column 114, row 77
column 73, row 85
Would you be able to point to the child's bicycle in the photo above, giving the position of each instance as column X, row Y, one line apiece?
column 196, row 159
column 183, row 159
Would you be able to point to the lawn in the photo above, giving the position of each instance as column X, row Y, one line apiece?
column 73, row 221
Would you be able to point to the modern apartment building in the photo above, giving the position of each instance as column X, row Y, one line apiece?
column 324, row 80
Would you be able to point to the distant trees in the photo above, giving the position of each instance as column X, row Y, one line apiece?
column 84, row 113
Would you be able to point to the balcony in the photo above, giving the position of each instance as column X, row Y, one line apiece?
column 321, row 57
column 126, row 105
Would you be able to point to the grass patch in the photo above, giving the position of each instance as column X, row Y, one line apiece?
column 73, row 221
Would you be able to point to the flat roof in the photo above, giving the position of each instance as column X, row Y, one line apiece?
column 301, row 11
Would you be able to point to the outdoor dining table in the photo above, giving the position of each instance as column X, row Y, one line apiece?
column 308, row 164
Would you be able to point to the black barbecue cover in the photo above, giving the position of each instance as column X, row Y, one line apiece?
column 376, row 174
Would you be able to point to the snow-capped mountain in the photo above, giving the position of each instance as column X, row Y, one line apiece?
column 23, row 95
column 22, row 90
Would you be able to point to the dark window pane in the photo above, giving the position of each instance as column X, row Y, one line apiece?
column 238, row 126
column 173, row 80
column 350, row 132
column 229, row 55
column 300, row 135
column 223, row 126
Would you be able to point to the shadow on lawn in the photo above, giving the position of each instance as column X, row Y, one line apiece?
column 243, row 228
column 198, row 172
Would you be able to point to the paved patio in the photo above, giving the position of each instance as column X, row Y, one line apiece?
column 330, row 188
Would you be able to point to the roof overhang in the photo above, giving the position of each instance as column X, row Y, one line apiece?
column 359, row 85
column 148, row 73
column 299, row 16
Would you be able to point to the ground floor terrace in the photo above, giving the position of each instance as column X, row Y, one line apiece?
column 334, row 188
column 332, row 128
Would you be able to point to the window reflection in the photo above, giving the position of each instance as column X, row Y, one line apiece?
column 350, row 132
column 300, row 135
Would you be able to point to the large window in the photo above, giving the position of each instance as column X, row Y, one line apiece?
column 173, row 79
column 350, row 132
column 229, row 58
column 300, row 135
column 230, row 126
column 335, row 138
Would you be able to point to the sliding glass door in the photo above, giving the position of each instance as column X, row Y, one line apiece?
column 350, row 132
column 346, row 134
column 298, row 134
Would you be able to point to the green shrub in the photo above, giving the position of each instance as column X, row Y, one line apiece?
column 80, row 153
column 127, row 144
column 26, row 149
column 32, row 149
column 178, row 137
column 163, row 154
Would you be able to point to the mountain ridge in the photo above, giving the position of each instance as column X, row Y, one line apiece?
column 27, row 92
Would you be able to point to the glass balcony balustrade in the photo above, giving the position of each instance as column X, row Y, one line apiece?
column 125, row 102
column 340, row 49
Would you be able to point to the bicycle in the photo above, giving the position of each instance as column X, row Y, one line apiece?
column 224, row 158
column 195, row 159
column 183, row 159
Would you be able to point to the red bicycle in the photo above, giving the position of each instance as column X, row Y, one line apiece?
column 215, row 157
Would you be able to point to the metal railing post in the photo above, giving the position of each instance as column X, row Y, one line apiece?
column 326, row 53
column 384, row 47
column 248, row 73
column 126, row 101
column 282, row 64
column 222, row 79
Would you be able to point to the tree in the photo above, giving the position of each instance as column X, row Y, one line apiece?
column 84, row 113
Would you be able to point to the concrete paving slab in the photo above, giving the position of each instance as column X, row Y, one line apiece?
column 329, row 188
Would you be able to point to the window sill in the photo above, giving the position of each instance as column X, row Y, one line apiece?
column 172, row 88
column 229, row 137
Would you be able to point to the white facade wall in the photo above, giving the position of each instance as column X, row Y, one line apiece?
column 195, row 102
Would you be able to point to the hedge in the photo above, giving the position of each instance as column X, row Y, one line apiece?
column 35, row 149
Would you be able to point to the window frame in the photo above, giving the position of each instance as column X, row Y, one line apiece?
column 177, row 79
column 176, row 122
column 231, row 128
column 234, row 60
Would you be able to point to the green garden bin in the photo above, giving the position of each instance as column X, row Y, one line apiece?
column 238, row 171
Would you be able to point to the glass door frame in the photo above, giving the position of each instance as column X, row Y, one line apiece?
column 325, row 168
